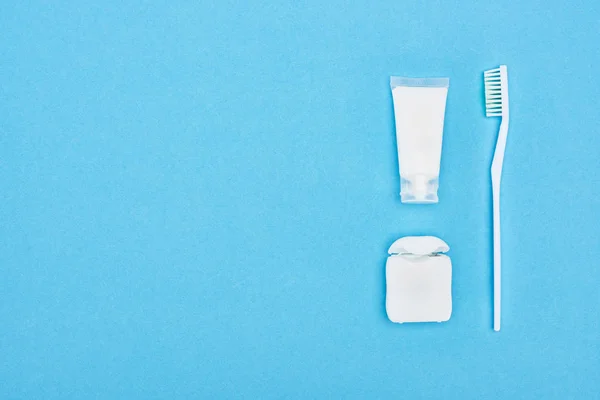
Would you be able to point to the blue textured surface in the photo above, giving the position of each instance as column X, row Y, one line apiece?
column 197, row 200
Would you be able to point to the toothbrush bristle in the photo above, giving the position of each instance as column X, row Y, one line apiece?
column 495, row 84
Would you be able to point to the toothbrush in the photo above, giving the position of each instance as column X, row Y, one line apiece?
column 496, row 105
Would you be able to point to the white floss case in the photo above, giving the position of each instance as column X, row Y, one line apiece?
column 418, row 280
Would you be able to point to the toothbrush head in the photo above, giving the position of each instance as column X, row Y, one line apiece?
column 496, row 92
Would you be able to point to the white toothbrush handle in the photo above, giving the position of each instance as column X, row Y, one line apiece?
column 497, row 163
column 497, row 258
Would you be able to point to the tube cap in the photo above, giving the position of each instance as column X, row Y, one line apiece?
column 419, row 189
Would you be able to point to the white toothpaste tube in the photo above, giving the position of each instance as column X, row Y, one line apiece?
column 419, row 107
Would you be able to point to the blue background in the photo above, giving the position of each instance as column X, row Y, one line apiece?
column 197, row 199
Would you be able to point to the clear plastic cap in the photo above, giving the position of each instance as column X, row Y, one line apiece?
column 419, row 189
